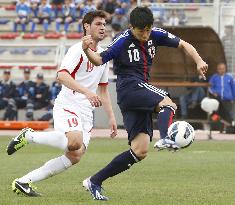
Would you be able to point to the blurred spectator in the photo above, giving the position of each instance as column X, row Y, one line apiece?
column 124, row 4
column 41, row 15
column 120, row 18
column 54, row 91
column 57, row 2
column 33, row 14
column 116, row 30
column 191, row 98
column 174, row 19
column 89, row 6
column 109, row 7
column 22, row 12
column 222, row 87
column 228, row 43
column 68, row 16
column 41, row 99
column 79, row 4
column 26, row 94
column 158, row 13
column 7, row 96
column 182, row 17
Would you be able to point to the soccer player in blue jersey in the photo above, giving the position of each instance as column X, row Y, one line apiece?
column 132, row 53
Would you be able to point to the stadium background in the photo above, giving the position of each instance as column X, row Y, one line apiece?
column 207, row 167
column 202, row 23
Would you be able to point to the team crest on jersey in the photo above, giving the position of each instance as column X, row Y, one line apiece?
column 132, row 45
column 150, row 42
column 90, row 67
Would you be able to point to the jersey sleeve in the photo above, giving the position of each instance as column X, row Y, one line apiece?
column 105, row 77
column 71, row 60
column 164, row 38
column 113, row 48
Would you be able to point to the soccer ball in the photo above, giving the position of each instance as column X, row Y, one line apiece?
column 182, row 133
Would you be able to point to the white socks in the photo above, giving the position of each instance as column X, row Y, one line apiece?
column 50, row 168
column 52, row 138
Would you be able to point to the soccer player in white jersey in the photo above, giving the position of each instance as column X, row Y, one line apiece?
column 72, row 112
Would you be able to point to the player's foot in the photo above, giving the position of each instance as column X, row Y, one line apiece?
column 18, row 142
column 24, row 188
column 166, row 144
column 94, row 189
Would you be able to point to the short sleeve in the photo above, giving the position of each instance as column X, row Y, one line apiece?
column 114, row 48
column 105, row 77
column 71, row 60
column 164, row 38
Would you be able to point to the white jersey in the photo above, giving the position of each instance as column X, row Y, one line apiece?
column 72, row 110
column 85, row 73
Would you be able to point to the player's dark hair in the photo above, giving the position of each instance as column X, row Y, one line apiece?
column 140, row 17
column 90, row 16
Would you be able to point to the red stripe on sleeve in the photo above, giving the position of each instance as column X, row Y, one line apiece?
column 77, row 67
column 103, row 84
column 63, row 70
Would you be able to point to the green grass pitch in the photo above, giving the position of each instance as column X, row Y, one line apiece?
column 202, row 174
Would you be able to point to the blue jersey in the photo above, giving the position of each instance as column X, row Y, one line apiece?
column 134, row 58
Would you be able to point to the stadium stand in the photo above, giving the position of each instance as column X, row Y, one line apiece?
column 43, row 52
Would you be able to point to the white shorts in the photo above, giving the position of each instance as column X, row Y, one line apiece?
column 72, row 118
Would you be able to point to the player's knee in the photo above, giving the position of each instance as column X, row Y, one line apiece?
column 167, row 102
column 75, row 140
column 74, row 158
column 141, row 153
column 72, row 146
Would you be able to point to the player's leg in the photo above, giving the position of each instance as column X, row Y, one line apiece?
column 53, row 167
column 121, row 163
column 138, row 126
column 67, row 135
column 165, row 117
column 52, row 138
column 78, row 137
column 150, row 99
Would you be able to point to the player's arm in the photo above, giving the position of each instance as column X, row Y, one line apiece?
column 64, row 77
column 112, row 51
column 106, row 102
column 192, row 52
column 93, row 57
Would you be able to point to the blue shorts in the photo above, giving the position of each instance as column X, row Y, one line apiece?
column 137, row 100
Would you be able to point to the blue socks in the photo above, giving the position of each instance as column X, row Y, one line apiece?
column 66, row 27
column 33, row 27
column 165, row 118
column 57, row 26
column 119, row 164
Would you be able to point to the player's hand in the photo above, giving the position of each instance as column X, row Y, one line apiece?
column 86, row 42
column 93, row 98
column 113, row 127
column 202, row 68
